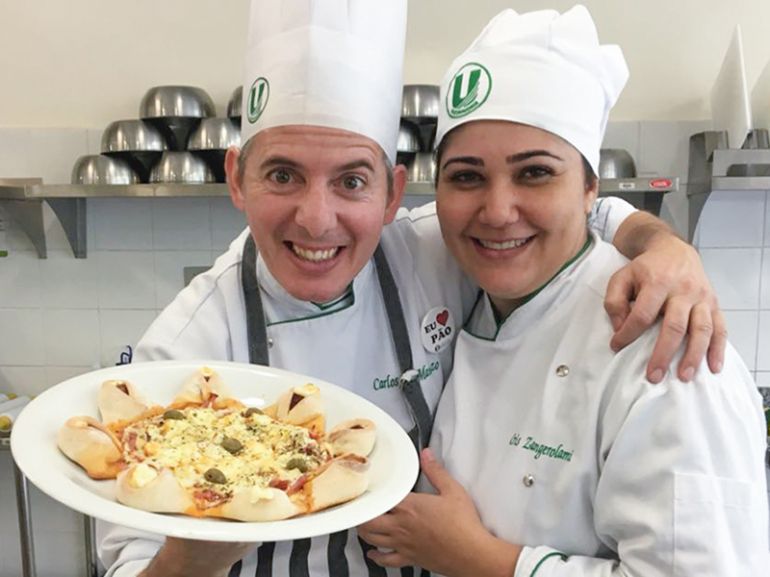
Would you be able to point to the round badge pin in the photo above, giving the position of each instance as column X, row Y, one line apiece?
column 437, row 329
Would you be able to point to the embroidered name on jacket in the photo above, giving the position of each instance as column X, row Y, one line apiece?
column 539, row 450
column 391, row 381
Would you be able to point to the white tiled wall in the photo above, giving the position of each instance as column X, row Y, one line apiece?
column 62, row 316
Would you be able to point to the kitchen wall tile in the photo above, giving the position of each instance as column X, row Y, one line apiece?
column 47, row 153
column 734, row 273
column 60, row 554
column 119, row 328
column 763, row 344
column 49, row 516
column 20, row 280
column 227, row 222
column 762, row 378
column 71, row 337
column 121, row 223
column 68, row 282
column 22, row 380
column 664, row 147
column 10, row 555
column 764, row 283
column 169, row 271
column 21, row 337
column 675, row 211
column 623, row 134
column 742, row 329
column 767, row 220
column 126, row 280
column 56, row 375
column 732, row 219
column 181, row 224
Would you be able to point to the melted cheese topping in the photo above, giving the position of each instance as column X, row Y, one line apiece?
column 193, row 445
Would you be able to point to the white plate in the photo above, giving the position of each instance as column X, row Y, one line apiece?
column 393, row 470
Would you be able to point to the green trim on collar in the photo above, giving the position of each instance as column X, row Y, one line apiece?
column 331, row 304
column 347, row 300
column 501, row 321
column 526, row 298
column 539, row 563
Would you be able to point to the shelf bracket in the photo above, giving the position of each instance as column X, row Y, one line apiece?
column 28, row 214
column 71, row 213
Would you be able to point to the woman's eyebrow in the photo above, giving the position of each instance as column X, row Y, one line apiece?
column 529, row 154
column 473, row 160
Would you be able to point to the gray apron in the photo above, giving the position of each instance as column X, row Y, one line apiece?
column 409, row 382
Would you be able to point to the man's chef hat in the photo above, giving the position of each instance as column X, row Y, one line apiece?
column 542, row 69
column 332, row 63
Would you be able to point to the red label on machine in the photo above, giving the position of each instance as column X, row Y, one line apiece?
column 661, row 183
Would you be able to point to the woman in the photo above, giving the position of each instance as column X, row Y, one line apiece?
column 560, row 457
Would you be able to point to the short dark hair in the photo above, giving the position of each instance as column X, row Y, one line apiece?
column 246, row 148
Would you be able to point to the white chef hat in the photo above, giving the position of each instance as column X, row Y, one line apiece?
column 331, row 63
column 542, row 69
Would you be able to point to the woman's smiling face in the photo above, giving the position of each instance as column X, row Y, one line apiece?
column 512, row 201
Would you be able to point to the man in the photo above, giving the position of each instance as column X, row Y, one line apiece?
column 316, row 181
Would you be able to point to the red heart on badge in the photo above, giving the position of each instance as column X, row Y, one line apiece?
column 442, row 317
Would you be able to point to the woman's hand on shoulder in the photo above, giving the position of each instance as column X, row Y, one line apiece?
column 668, row 278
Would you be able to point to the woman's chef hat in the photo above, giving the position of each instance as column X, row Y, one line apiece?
column 332, row 63
column 542, row 69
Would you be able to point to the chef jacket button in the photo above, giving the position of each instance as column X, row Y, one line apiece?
column 270, row 343
column 562, row 371
column 528, row 480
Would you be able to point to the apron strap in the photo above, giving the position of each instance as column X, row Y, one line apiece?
column 256, row 330
column 410, row 378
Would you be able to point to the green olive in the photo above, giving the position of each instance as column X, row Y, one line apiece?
column 173, row 414
column 298, row 463
column 231, row 445
column 215, row 476
column 253, row 411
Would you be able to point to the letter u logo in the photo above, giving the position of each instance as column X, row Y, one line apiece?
column 468, row 90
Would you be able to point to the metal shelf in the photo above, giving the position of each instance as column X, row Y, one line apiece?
column 23, row 200
column 713, row 166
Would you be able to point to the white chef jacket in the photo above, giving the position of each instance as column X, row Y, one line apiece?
column 566, row 448
column 350, row 346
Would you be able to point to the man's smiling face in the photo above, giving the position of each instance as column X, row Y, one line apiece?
column 316, row 200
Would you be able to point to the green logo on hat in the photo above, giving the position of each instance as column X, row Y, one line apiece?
column 468, row 90
column 258, row 97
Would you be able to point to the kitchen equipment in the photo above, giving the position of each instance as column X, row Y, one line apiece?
column 211, row 140
column 616, row 163
column 135, row 142
column 234, row 106
column 181, row 167
column 422, row 168
column 101, row 169
column 408, row 143
column 420, row 105
column 408, row 138
column 730, row 107
column 420, row 102
column 176, row 111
